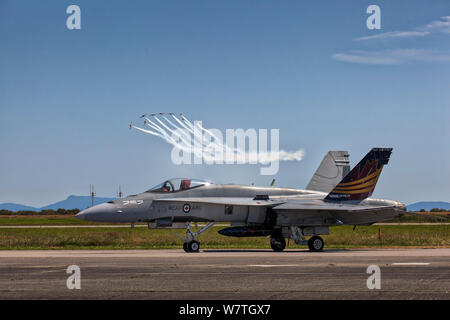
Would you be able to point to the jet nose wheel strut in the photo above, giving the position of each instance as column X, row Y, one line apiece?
column 190, row 243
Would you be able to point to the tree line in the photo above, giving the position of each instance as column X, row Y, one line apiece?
column 60, row 211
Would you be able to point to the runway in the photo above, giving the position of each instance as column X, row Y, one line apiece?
column 217, row 225
column 226, row 274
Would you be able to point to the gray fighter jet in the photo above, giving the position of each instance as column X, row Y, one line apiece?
column 335, row 196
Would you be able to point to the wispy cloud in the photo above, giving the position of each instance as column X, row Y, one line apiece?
column 442, row 25
column 395, row 34
column 400, row 56
column 391, row 57
column 363, row 58
column 437, row 26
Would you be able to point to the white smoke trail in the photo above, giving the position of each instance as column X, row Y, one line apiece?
column 206, row 144
column 216, row 143
column 174, row 132
column 147, row 131
column 184, row 132
column 185, row 147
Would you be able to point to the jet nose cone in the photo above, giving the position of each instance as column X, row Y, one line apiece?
column 80, row 215
column 102, row 212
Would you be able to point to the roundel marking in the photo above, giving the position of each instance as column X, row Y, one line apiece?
column 186, row 208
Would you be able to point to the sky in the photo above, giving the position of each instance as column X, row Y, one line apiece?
column 311, row 69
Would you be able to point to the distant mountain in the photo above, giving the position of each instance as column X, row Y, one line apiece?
column 16, row 207
column 428, row 205
column 72, row 202
column 76, row 202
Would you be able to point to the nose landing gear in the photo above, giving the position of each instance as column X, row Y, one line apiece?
column 191, row 246
column 190, row 243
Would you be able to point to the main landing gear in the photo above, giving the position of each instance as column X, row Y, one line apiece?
column 315, row 243
column 190, row 243
column 277, row 243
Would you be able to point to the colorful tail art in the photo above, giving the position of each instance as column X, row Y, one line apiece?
column 359, row 183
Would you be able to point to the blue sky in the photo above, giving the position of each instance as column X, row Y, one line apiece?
column 67, row 96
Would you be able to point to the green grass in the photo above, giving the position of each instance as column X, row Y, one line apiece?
column 42, row 220
column 142, row 238
column 48, row 220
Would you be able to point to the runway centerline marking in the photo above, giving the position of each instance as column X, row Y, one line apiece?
column 410, row 263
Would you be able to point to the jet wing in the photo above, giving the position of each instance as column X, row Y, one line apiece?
column 237, row 201
column 320, row 213
column 279, row 205
column 312, row 205
column 213, row 209
column 289, row 211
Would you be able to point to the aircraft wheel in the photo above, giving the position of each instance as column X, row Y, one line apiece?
column 185, row 247
column 193, row 246
column 277, row 244
column 315, row 244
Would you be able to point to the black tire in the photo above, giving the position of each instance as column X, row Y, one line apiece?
column 315, row 244
column 193, row 246
column 185, row 247
column 277, row 244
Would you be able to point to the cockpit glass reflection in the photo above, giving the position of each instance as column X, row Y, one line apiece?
column 178, row 184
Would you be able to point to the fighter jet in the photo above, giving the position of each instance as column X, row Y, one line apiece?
column 335, row 196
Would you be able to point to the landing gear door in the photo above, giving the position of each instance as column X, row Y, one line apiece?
column 256, row 215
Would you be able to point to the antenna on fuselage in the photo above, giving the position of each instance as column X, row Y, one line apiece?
column 272, row 183
column 119, row 194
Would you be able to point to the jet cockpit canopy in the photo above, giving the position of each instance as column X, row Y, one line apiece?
column 178, row 184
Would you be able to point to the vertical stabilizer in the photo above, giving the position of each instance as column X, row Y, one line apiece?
column 360, row 183
column 333, row 168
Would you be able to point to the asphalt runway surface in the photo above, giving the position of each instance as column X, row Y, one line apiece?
column 217, row 225
column 226, row 274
